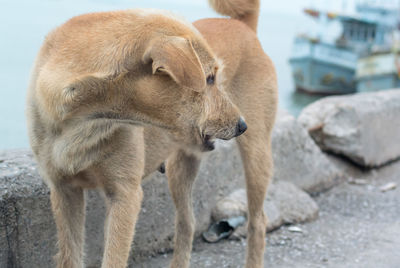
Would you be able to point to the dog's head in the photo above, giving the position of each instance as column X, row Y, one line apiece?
column 140, row 69
column 183, row 92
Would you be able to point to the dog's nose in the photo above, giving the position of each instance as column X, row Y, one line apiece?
column 241, row 127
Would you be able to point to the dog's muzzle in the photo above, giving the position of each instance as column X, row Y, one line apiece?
column 208, row 143
column 241, row 127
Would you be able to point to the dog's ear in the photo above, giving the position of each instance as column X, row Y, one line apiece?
column 176, row 57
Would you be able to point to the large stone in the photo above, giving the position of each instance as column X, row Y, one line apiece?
column 298, row 159
column 27, row 229
column 294, row 205
column 363, row 127
column 285, row 203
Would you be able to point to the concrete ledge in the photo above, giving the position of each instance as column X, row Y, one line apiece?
column 28, row 234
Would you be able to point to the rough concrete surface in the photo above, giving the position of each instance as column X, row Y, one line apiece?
column 363, row 127
column 358, row 227
column 297, row 159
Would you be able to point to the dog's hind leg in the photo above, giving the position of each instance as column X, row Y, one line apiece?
column 68, row 207
column 181, row 172
column 256, row 155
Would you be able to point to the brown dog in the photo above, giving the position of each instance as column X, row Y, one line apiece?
column 114, row 95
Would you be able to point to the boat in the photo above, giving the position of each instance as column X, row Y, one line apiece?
column 322, row 68
column 339, row 66
column 378, row 71
column 379, row 68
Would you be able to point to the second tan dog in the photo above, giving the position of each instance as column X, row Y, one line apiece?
column 113, row 95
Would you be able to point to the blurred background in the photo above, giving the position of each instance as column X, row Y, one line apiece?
column 24, row 24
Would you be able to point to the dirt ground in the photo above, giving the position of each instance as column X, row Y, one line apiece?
column 358, row 226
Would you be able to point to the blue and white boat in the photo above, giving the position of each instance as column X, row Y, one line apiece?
column 379, row 67
column 325, row 66
column 378, row 71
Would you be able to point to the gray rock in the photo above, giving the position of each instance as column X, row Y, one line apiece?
column 297, row 159
column 294, row 205
column 233, row 205
column 27, row 229
column 285, row 204
column 273, row 212
column 363, row 127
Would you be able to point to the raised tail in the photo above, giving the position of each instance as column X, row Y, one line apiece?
column 246, row 11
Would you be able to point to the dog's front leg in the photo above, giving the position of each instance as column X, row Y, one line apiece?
column 120, row 175
column 123, row 199
column 68, row 207
column 181, row 172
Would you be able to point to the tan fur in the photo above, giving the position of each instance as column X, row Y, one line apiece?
column 246, row 11
column 113, row 95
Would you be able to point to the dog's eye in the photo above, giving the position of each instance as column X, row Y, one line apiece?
column 160, row 70
column 210, row 79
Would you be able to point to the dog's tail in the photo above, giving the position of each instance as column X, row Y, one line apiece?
column 246, row 11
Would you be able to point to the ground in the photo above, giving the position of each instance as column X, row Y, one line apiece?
column 358, row 226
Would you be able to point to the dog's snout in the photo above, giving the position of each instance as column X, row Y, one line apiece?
column 241, row 127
